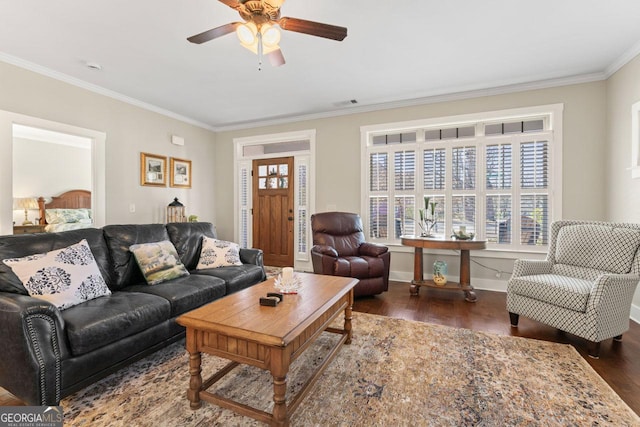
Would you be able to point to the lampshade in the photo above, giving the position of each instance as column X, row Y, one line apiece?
column 270, row 35
column 25, row 203
column 250, row 37
column 247, row 33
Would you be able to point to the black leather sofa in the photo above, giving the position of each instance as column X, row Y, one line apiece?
column 48, row 354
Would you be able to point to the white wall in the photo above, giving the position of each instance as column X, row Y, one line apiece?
column 338, row 174
column 129, row 130
column 622, row 198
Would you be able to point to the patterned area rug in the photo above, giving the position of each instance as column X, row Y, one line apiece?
column 396, row 372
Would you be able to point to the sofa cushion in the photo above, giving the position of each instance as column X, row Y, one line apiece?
column 567, row 292
column 64, row 277
column 236, row 277
column 187, row 238
column 119, row 238
column 218, row 253
column 102, row 321
column 598, row 247
column 22, row 245
column 158, row 261
column 185, row 293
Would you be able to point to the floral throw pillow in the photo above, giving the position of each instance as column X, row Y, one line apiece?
column 158, row 261
column 64, row 277
column 218, row 253
column 64, row 216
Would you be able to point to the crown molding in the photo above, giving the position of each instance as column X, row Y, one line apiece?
column 623, row 60
column 18, row 62
column 429, row 99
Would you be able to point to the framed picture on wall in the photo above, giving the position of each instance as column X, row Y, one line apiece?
column 180, row 173
column 153, row 170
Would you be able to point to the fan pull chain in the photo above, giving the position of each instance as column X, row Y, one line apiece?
column 259, row 36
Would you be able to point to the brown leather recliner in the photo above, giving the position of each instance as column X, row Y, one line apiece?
column 340, row 250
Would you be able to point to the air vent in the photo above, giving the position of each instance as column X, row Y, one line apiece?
column 345, row 103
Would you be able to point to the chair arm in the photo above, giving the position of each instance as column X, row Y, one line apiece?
column 529, row 267
column 33, row 345
column 325, row 250
column 372, row 249
column 609, row 304
column 324, row 258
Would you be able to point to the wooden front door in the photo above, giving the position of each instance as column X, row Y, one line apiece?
column 273, row 210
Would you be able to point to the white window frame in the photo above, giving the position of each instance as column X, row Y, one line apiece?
column 302, row 158
column 551, row 114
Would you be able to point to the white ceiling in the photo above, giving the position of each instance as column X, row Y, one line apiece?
column 395, row 52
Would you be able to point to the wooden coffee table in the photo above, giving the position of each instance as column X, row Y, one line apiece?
column 238, row 328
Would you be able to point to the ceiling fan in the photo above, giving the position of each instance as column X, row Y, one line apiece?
column 259, row 33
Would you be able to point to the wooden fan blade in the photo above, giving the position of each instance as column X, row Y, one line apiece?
column 276, row 58
column 313, row 28
column 214, row 33
column 234, row 4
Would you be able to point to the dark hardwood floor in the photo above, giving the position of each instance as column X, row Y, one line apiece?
column 619, row 362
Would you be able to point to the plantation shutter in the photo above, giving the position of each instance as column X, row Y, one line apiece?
column 378, row 200
column 302, row 204
column 534, row 203
column 404, row 166
column 244, row 180
column 498, row 182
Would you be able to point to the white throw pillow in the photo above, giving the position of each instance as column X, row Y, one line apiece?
column 218, row 253
column 64, row 277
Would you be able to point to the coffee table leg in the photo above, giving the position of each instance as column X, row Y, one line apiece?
column 279, row 370
column 195, row 383
column 348, row 316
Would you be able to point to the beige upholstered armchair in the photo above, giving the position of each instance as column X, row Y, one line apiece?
column 586, row 284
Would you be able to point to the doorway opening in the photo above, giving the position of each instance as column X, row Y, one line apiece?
column 274, row 189
column 31, row 131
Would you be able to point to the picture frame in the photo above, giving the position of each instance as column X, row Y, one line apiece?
column 153, row 170
column 180, row 173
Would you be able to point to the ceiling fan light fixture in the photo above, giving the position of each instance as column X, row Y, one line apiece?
column 270, row 35
column 247, row 33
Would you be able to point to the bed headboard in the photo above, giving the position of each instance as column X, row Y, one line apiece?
column 72, row 199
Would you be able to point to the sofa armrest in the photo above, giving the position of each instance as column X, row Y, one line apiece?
column 372, row 249
column 252, row 256
column 529, row 267
column 33, row 346
column 255, row 257
column 325, row 250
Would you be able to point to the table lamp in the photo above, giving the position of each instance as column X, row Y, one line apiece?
column 25, row 203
